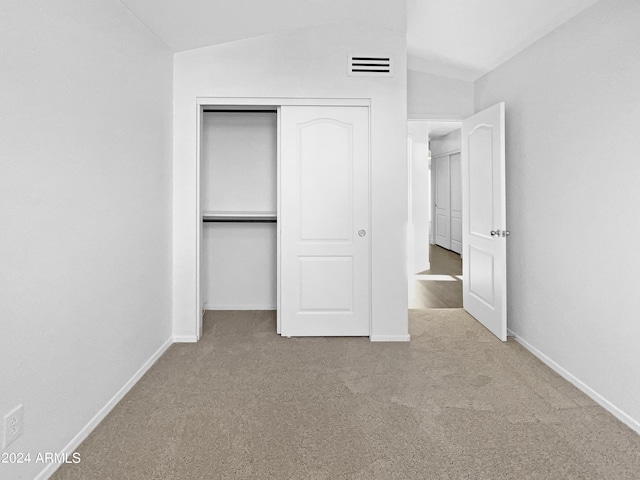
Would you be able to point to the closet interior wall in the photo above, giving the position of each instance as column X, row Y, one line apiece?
column 238, row 175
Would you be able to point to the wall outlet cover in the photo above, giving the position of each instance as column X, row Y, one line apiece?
column 13, row 422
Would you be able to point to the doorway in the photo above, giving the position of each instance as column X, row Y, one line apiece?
column 435, row 214
column 483, row 211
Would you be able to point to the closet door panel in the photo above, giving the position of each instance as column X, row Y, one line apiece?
column 326, row 181
column 442, row 202
column 324, row 221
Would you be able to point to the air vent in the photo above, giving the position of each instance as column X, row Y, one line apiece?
column 370, row 66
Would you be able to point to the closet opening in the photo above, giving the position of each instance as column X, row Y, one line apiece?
column 270, row 239
column 238, row 205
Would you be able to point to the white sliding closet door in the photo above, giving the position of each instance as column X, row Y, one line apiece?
column 443, row 202
column 324, row 221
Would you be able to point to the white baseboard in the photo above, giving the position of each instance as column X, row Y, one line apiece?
column 390, row 338
column 185, row 338
column 71, row 447
column 595, row 396
column 239, row 307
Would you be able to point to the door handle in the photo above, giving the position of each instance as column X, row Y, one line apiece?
column 500, row 233
column 362, row 233
column 495, row 233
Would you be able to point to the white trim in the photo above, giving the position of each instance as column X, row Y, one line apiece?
column 390, row 338
column 445, row 154
column 208, row 306
column 428, row 117
column 624, row 417
column 198, row 212
column 75, row 442
column 283, row 101
column 185, row 338
column 510, row 333
column 278, row 210
column 370, row 226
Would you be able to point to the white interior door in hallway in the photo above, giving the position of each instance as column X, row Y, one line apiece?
column 484, row 266
column 448, row 201
column 324, row 221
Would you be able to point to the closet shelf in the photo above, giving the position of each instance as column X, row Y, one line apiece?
column 239, row 217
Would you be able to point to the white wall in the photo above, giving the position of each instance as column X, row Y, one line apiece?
column 433, row 96
column 447, row 143
column 573, row 171
column 239, row 162
column 419, row 197
column 304, row 63
column 85, row 192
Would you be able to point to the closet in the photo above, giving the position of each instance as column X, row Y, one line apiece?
column 447, row 190
column 238, row 195
column 284, row 214
column 448, row 201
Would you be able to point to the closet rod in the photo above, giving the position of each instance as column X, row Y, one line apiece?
column 231, row 220
column 216, row 110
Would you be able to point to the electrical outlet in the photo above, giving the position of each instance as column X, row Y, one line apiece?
column 12, row 426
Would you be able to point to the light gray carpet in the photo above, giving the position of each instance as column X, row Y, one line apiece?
column 454, row 403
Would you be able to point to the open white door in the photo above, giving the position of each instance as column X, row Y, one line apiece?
column 484, row 233
column 324, row 221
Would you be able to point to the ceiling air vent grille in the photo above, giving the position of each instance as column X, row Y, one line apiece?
column 370, row 66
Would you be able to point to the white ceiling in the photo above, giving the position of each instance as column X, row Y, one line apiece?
column 460, row 39
column 424, row 130
column 184, row 25
column 440, row 129
column 465, row 39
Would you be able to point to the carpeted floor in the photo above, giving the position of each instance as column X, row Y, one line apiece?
column 454, row 403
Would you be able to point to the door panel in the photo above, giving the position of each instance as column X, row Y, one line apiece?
column 481, row 208
column 326, row 284
column 324, row 178
column 483, row 189
column 456, row 202
column 442, row 205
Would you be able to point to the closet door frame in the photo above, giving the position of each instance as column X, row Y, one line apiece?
column 433, row 190
column 243, row 103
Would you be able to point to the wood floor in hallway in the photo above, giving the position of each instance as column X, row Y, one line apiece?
column 441, row 285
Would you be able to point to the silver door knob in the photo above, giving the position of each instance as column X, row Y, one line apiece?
column 495, row 233
column 362, row 233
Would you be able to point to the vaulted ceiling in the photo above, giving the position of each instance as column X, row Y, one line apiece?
column 184, row 25
column 465, row 39
column 460, row 39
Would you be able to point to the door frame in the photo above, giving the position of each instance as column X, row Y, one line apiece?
column 277, row 103
column 427, row 118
